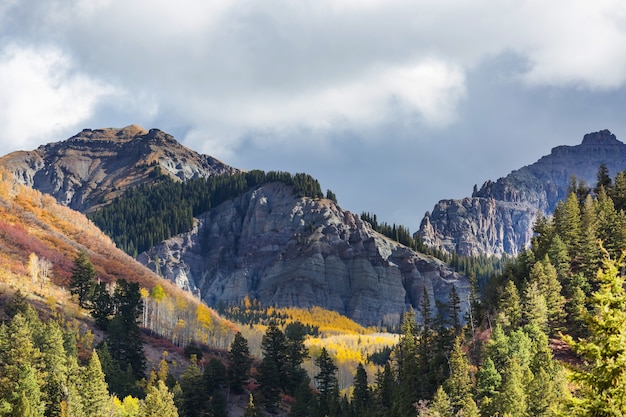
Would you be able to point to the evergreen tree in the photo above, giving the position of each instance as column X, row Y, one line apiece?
column 459, row 385
column 159, row 402
column 454, row 307
column 93, row 388
column 440, row 406
column 361, row 392
column 326, row 381
column 603, row 381
column 510, row 310
column 194, row 401
column 271, row 371
column 295, row 334
column 512, row 399
column 603, row 179
column 239, row 361
column 102, row 307
column 83, row 277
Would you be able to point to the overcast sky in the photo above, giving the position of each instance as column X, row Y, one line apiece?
column 393, row 105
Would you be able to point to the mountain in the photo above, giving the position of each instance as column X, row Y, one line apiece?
column 289, row 251
column 268, row 242
column 39, row 240
column 94, row 166
column 498, row 218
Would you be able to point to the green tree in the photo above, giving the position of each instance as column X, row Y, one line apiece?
column 102, row 307
column 159, row 402
column 195, row 397
column 440, row 406
column 512, row 399
column 603, row 179
column 603, row 381
column 509, row 307
column 326, row 381
column 93, row 388
column 297, row 352
column 459, row 385
column 361, row 392
column 82, row 281
column 271, row 370
column 239, row 361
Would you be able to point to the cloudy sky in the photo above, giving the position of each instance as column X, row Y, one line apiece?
column 391, row 104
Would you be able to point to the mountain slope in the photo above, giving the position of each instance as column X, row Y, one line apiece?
column 289, row 251
column 94, row 166
column 35, row 226
column 498, row 218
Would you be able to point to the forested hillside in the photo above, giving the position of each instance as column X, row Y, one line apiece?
column 146, row 215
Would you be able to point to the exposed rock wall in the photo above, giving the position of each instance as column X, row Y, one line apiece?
column 96, row 165
column 498, row 218
column 289, row 251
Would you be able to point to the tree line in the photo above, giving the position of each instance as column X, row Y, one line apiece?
column 150, row 213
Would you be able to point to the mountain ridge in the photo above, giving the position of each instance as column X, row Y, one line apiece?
column 498, row 218
column 95, row 166
column 306, row 251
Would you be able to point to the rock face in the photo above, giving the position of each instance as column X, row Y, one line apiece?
column 289, row 251
column 96, row 165
column 498, row 218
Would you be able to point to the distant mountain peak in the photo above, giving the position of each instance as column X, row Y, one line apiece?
column 603, row 137
column 498, row 218
column 94, row 166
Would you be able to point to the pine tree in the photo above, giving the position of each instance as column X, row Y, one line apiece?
column 159, row 402
column 295, row 334
column 512, row 399
column 239, row 361
column 82, row 280
column 271, row 371
column 194, row 393
column 326, row 381
column 361, row 392
column 440, row 406
column 509, row 307
column 603, row 382
column 459, row 385
column 93, row 388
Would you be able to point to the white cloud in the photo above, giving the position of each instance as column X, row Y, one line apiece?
column 41, row 94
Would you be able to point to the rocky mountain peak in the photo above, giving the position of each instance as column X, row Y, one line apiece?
column 94, row 166
column 499, row 217
column 603, row 137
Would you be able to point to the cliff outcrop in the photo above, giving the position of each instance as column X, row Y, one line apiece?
column 498, row 218
column 288, row 251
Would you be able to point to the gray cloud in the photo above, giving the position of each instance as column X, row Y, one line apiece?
column 392, row 104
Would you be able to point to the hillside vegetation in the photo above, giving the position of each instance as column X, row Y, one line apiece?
column 151, row 213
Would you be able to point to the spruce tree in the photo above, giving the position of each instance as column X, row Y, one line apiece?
column 82, row 281
column 603, row 381
column 159, row 402
column 326, row 382
column 459, row 385
column 93, row 388
column 271, row 372
column 361, row 392
column 239, row 361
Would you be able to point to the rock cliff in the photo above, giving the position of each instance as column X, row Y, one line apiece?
column 289, row 251
column 94, row 166
column 499, row 217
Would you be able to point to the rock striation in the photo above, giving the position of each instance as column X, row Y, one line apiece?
column 94, row 166
column 498, row 218
column 288, row 251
